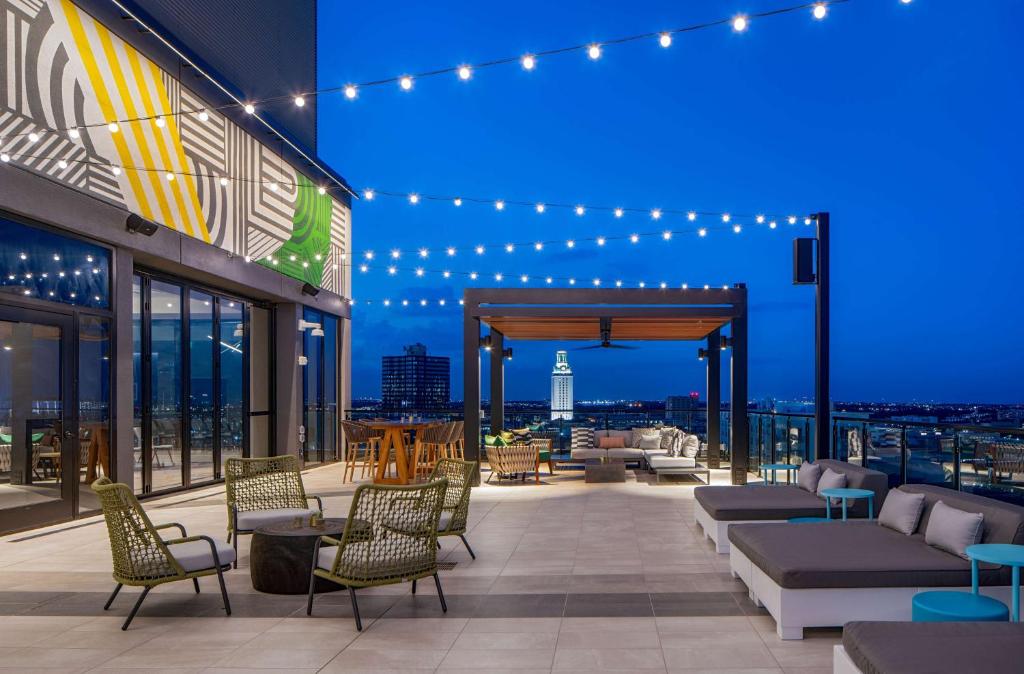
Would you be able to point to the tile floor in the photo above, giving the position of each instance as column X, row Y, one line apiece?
column 568, row 577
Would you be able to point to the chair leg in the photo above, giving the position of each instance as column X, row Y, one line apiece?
column 195, row 581
column 135, row 609
column 414, row 586
column 112, row 596
column 438, row 545
column 355, row 609
column 440, row 594
column 466, row 543
column 223, row 590
column 234, row 542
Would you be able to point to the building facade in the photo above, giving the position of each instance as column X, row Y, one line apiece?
column 415, row 381
column 561, row 388
column 173, row 279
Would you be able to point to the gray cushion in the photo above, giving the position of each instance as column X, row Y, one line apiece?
column 902, row 511
column 830, row 479
column 584, row 453
column 1004, row 522
column 759, row 502
column 953, row 530
column 858, row 477
column 853, row 554
column 650, row 441
column 807, row 476
column 251, row 520
column 625, row 453
column 196, row 555
column 668, row 462
column 937, row 648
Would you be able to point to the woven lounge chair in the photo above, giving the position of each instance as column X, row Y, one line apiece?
column 143, row 559
column 390, row 537
column 456, row 498
column 264, row 491
column 515, row 459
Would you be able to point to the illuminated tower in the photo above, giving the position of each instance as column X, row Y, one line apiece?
column 561, row 387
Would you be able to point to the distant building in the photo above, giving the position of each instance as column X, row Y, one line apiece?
column 415, row 381
column 686, row 412
column 561, row 387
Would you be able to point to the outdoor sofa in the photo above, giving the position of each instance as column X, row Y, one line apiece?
column 717, row 508
column 676, row 454
column 932, row 647
column 827, row 574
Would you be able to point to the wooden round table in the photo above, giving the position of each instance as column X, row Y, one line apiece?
column 282, row 554
column 394, row 432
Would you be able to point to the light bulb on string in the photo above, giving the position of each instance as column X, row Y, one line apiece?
column 424, row 253
column 570, row 244
column 465, row 72
column 642, row 284
column 726, row 217
column 739, row 23
column 618, row 212
column 772, row 224
column 423, row 303
column 702, row 232
column 395, row 254
column 737, row 229
column 363, row 268
column 759, row 219
column 351, row 91
column 596, row 282
column 618, row 284
column 691, row 216
column 446, row 274
column 419, row 271
column 666, row 235
column 321, row 190
column 549, row 280
column 538, row 246
column 405, row 82
column 451, row 251
column 539, row 208
column 250, row 108
column 524, row 278
column 665, row 40
column 473, row 275
column 368, row 195
column 572, row 281
column 510, row 248
column 529, row 62
column 634, row 238
column 204, row 116
column 62, row 164
column 480, row 250
column 414, row 199
column 820, row 11
column 499, row 276
column 580, row 210
column 791, row 219
column 368, row 255
column 457, row 201
column 74, row 133
column 499, row 205
column 600, row 240
column 113, row 127
column 663, row 285
column 160, row 122
column 223, row 182
column 392, row 270
column 656, row 214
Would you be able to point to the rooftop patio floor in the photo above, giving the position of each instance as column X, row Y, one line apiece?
column 568, row 576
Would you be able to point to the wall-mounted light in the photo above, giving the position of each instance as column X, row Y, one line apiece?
column 507, row 353
column 315, row 329
column 485, row 343
column 725, row 343
column 702, row 354
column 303, row 360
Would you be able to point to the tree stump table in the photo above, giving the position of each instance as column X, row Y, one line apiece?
column 281, row 556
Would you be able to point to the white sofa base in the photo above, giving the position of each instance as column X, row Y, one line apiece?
column 841, row 662
column 719, row 531
column 793, row 610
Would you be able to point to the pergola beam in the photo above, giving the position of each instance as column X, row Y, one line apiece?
column 714, row 402
column 497, row 382
column 596, row 312
column 600, row 296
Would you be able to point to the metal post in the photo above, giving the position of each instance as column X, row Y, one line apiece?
column 714, row 368
column 471, row 388
column 739, row 437
column 497, row 382
column 822, row 397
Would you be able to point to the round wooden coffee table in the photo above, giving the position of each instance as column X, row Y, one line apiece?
column 282, row 554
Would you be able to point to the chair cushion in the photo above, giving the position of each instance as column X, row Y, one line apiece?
column 665, row 462
column 759, row 502
column 650, row 441
column 251, row 520
column 852, row 554
column 196, row 555
column 691, row 446
column 953, row 530
column 902, row 511
column 939, row 647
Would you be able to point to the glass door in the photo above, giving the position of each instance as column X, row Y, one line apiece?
column 39, row 458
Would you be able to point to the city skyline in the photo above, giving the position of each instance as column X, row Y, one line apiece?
column 885, row 137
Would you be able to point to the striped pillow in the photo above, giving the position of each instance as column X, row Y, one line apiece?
column 582, row 438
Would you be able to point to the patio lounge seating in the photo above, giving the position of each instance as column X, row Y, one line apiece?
column 936, row 648
column 400, row 546
column 515, row 459
column 264, row 491
column 455, row 510
column 717, row 508
column 830, row 573
column 143, row 559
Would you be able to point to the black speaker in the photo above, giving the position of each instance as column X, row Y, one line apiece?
column 803, row 262
column 139, row 225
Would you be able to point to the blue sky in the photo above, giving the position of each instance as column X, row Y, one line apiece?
column 902, row 121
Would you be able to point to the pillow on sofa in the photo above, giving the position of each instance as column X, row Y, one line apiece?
column 830, row 479
column 650, row 441
column 582, row 438
column 494, row 441
column 668, row 434
column 636, row 434
column 808, row 475
column 691, row 446
column 611, row 443
column 522, row 436
column 951, row 529
column 901, row 511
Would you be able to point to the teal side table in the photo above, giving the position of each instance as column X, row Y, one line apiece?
column 949, row 606
column 846, row 493
column 788, row 467
column 1004, row 554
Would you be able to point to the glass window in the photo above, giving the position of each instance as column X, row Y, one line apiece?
column 137, row 382
column 43, row 265
column 93, row 405
column 165, row 373
column 201, row 402
column 232, row 378
column 330, row 395
column 312, row 349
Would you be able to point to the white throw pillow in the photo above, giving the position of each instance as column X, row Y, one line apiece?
column 691, row 446
column 830, row 479
column 808, row 476
column 901, row 511
column 652, row 441
column 953, row 530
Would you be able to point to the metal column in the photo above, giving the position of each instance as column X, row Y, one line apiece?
column 497, row 382
column 714, row 362
column 822, row 397
column 471, row 387
column 739, row 436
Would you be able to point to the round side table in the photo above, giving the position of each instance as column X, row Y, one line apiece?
column 281, row 556
column 1004, row 554
column 847, row 493
column 788, row 467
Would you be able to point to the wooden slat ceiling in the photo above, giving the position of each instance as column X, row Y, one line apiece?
column 589, row 328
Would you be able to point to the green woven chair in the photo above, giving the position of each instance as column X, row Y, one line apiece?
column 455, row 510
column 390, row 537
column 262, row 492
column 143, row 559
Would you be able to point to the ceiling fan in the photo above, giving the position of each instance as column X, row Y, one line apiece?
column 606, row 339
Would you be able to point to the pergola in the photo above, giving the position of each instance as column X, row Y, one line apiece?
column 616, row 315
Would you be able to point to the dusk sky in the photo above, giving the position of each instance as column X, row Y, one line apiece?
column 903, row 121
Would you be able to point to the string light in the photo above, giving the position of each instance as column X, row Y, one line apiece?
column 702, row 232
column 524, row 278
column 446, row 273
column 759, row 219
column 451, row 251
column 480, row 250
column 737, row 229
column 618, row 212
column 112, row 128
column 739, row 23
column 772, row 224
column 368, row 195
column 351, row 91
column 510, row 248
column 538, row 246
column 570, row 244
column 457, row 201
column 204, row 116
column 250, row 108
column 666, row 235
column 473, row 275
column 300, row 102
column 405, row 82
column 549, row 280
column 580, row 210
column 395, row 254
column 414, row 199
column 600, row 240
column 62, row 164
column 539, row 208
column 792, row 219
column 224, row 182
column 665, row 40
column 419, row 271
column 656, row 214
column 634, row 238
column 423, row 252
column 691, row 216
column 392, row 270
column 819, row 11
column 594, row 52
column 529, row 62
column 73, row 133
column 465, row 72
column 726, row 217
column 499, row 205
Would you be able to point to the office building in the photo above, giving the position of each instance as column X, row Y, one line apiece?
column 415, row 381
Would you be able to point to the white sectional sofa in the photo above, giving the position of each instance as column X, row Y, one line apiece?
column 685, row 448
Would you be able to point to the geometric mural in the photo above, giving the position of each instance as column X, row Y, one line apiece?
column 60, row 68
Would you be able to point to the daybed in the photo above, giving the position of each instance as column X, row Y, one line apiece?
column 719, row 507
column 827, row 574
column 936, row 648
